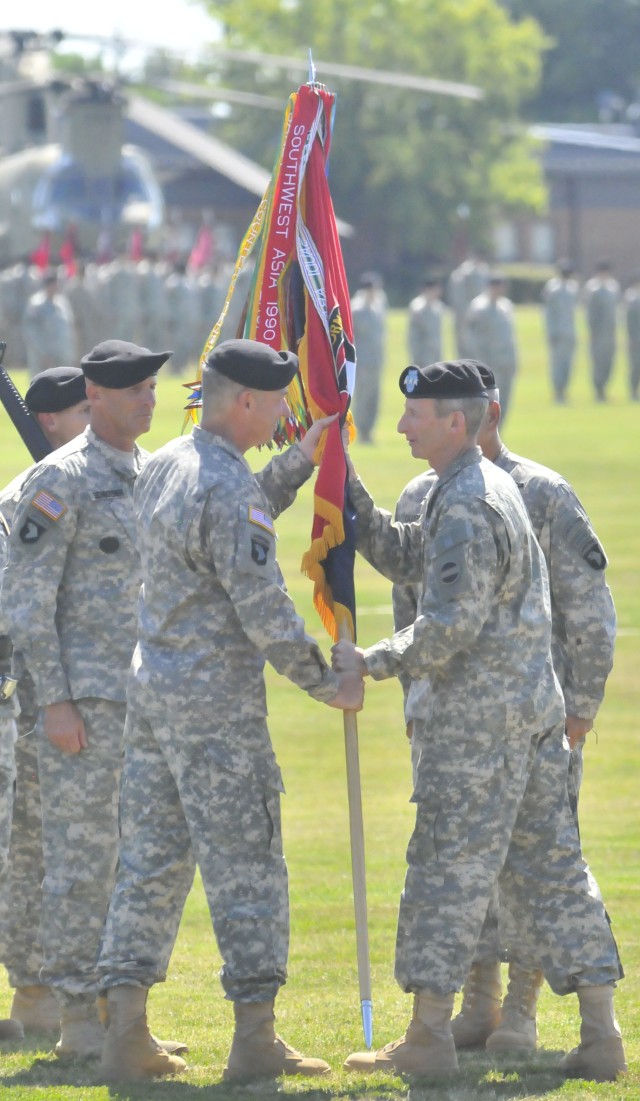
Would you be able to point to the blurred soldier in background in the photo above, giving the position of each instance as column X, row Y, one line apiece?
column 424, row 334
column 48, row 327
column 491, row 335
column 369, row 313
column 560, row 300
column 466, row 282
column 182, row 318
column 632, row 323
column 17, row 285
column 601, row 296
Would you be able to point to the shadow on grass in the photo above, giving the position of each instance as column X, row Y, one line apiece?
column 481, row 1078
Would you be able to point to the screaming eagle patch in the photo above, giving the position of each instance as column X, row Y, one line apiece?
column 259, row 550
column 580, row 537
column 31, row 531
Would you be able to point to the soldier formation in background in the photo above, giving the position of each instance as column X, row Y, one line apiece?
column 48, row 318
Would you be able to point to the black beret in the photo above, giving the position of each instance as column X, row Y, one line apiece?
column 252, row 364
column 117, row 364
column 55, row 389
column 457, row 378
column 486, row 374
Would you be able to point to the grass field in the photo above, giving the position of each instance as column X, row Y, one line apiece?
column 598, row 448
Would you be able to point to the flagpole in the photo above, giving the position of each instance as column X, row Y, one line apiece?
column 356, row 830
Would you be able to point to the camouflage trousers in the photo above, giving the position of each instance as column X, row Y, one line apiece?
column 488, row 949
column 510, row 825
column 602, row 349
column 366, row 399
column 21, row 893
column 562, row 351
column 80, row 795
column 180, row 807
column 7, row 780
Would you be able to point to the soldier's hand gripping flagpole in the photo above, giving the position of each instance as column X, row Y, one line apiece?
column 356, row 830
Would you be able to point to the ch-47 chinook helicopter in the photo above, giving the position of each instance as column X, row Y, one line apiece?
column 63, row 161
column 62, row 158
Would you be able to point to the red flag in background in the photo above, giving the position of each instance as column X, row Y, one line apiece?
column 299, row 300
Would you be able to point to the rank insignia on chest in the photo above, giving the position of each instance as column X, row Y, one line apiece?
column 262, row 519
column 47, row 504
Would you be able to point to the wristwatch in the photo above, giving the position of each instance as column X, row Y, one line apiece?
column 8, row 686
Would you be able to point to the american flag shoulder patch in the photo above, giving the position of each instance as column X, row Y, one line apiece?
column 262, row 519
column 49, row 505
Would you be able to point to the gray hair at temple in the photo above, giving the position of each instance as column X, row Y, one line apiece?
column 473, row 410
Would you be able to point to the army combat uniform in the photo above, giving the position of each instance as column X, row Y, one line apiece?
column 491, row 337
column 21, row 894
column 582, row 610
column 201, row 782
column 560, row 297
column 8, row 733
column 490, row 792
column 424, row 332
column 601, row 301
column 71, row 594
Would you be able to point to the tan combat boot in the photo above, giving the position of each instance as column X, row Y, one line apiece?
column 172, row 1047
column 11, row 1030
column 427, row 1048
column 480, row 1012
column 517, row 1029
column 130, row 1051
column 256, row 1050
column 600, row 1055
column 81, row 1034
column 36, row 1009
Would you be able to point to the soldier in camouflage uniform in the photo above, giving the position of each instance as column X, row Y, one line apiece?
column 490, row 792
column 466, row 282
column 491, row 335
column 70, row 597
column 48, row 327
column 201, row 782
column 583, row 637
column 369, row 313
column 632, row 326
column 601, row 298
column 560, row 299
column 57, row 399
column 424, row 332
column 9, row 1029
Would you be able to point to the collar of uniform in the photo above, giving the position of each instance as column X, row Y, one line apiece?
column 471, row 455
column 203, row 438
column 502, row 458
column 466, row 458
column 123, row 462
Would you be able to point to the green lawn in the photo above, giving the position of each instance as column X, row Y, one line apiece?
column 598, row 448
